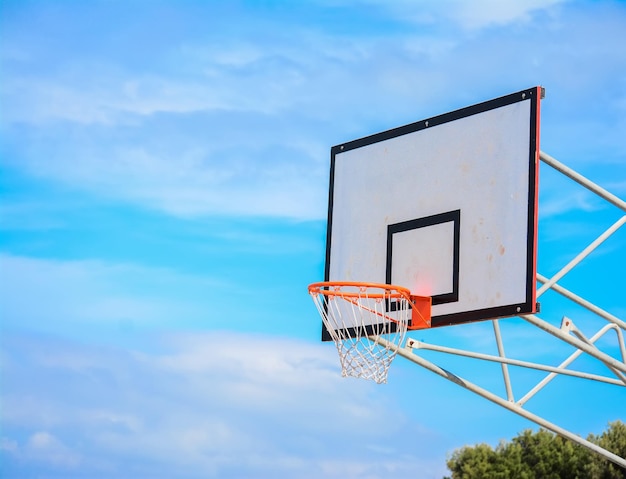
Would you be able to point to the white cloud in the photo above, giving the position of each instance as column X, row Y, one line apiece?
column 483, row 13
column 243, row 124
column 204, row 405
column 8, row 445
column 469, row 15
column 215, row 164
column 86, row 295
column 561, row 202
column 42, row 445
column 44, row 450
column 113, row 99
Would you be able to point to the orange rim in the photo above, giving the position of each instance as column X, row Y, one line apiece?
column 333, row 288
column 421, row 314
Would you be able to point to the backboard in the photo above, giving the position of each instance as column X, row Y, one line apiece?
column 446, row 207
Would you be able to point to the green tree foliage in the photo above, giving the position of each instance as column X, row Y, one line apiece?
column 614, row 440
column 541, row 454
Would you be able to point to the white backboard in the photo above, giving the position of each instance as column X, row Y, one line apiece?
column 446, row 207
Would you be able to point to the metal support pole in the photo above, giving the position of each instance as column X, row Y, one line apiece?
column 568, row 361
column 583, row 302
column 609, row 361
column 415, row 344
column 582, row 255
column 580, row 179
column 406, row 353
column 505, row 369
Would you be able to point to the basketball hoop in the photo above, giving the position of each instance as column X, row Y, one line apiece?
column 357, row 314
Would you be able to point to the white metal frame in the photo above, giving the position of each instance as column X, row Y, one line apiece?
column 568, row 332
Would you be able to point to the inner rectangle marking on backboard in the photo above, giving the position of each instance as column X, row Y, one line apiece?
column 428, row 245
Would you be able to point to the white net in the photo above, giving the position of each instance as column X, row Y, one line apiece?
column 355, row 316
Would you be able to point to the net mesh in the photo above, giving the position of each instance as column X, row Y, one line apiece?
column 356, row 316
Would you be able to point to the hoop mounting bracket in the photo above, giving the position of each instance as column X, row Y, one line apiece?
column 420, row 316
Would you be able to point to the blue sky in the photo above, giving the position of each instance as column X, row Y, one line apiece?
column 163, row 181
